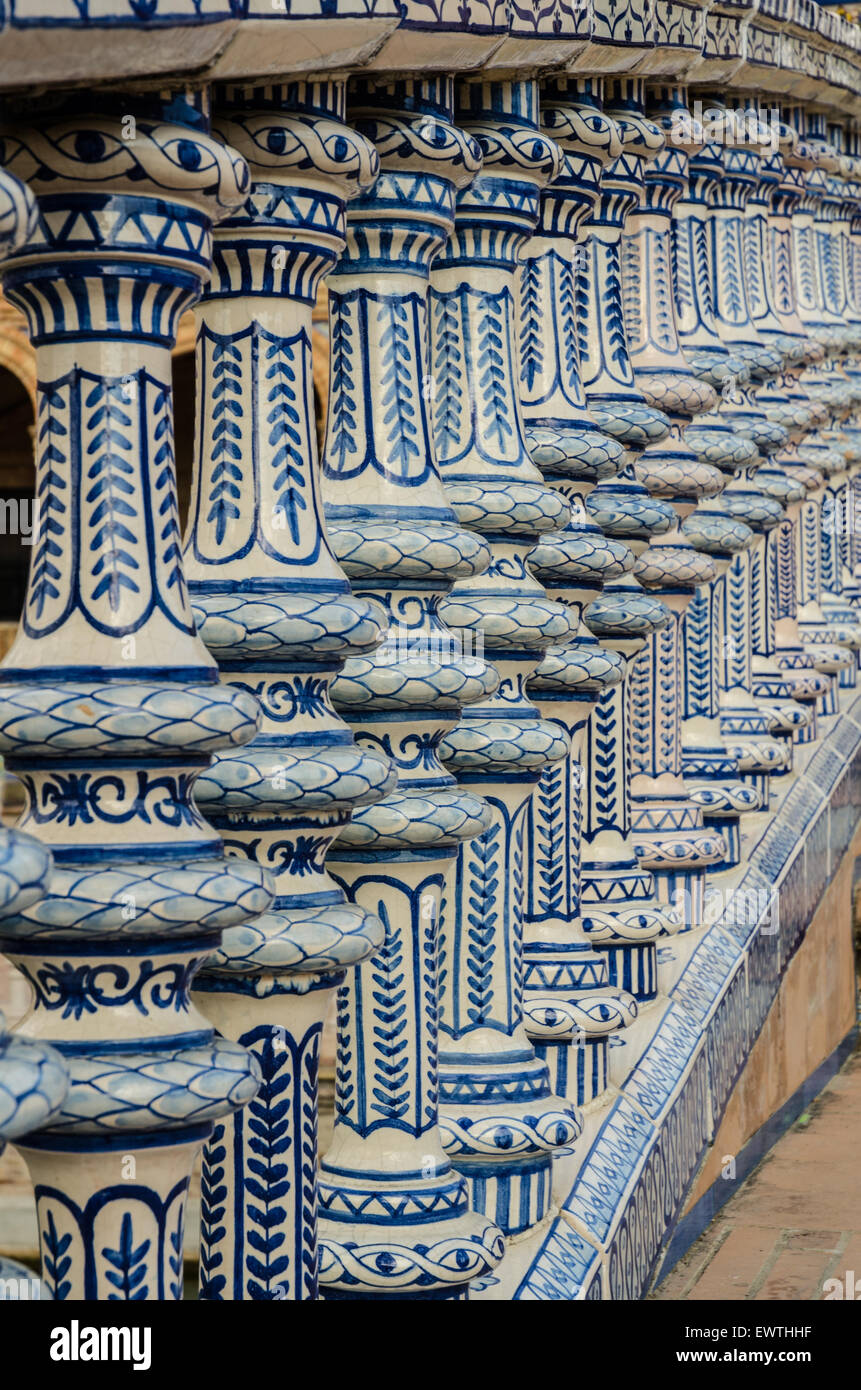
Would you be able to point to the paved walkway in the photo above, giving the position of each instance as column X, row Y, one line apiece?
column 796, row 1221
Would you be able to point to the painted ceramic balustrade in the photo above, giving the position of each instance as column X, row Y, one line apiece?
column 841, row 388
column 845, row 191
column 668, row 827
column 853, row 249
column 570, row 1008
column 723, row 177
column 795, row 678
column 501, row 1121
column 620, row 913
column 785, row 477
column 754, row 732
column 711, row 774
column 273, row 606
column 694, row 284
column 785, row 548
column 743, row 728
column 780, row 661
column 827, row 232
column 835, row 658
column 788, row 165
column 614, row 401
column 560, row 432
column 780, row 396
column 395, row 1219
column 825, row 382
column 814, row 277
column 771, row 292
column 111, row 702
column 698, row 330
column 852, row 280
column 840, row 592
column 735, row 162
column 681, row 340
column 621, row 505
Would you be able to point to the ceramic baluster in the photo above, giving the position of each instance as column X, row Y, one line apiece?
column 711, row 775
column 789, row 671
column 615, row 402
column 571, row 1010
column 785, row 478
column 111, row 706
column 395, row 1218
column 728, row 174
column 620, row 914
column 274, row 608
column 781, row 663
column 829, row 229
column 807, row 459
column 819, row 297
column 741, row 742
column 34, row 1081
column 851, row 266
column 845, row 190
column 811, row 236
column 782, row 182
column 720, row 365
column 780, row 396
column 501, row 1121
column 668, row 827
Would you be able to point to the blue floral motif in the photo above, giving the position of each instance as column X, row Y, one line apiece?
column 87, row 988
column 128, row 1266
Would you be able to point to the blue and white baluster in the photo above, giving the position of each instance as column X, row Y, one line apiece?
column 784, row 477
column 620, row 913
column 669, row 834
column 571, row 1008
column 744, row 728
column 729, row 173
column 814, row 281
column 111, row 705
column 395, row 1218
column 500, row 1118
column 33, row 1078
column 275, row 609
column 811, row 460
column 711, row 776
column 813, row 278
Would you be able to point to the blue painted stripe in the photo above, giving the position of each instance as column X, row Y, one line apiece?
column 117, row 675
column 106, row 949
column 117, row 1143
column 173, row 1042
